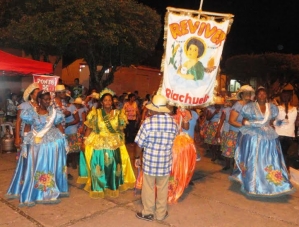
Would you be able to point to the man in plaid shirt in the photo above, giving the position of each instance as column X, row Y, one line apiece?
column 155, row 136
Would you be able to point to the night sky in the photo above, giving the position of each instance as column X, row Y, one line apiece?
column 259, row 26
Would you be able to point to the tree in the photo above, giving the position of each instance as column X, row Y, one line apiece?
column 109, row 33
column 271, row 70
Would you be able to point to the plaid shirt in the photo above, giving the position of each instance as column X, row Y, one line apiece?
column 156, row 136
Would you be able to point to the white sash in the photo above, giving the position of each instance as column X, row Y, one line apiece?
column 39, row 135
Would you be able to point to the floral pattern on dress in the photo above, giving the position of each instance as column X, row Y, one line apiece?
column 74, row 143
column 98, row 171
column 228, row 144
column 211, row 133
column 108, row 160
column 118, row 170
column 44, row 181
column 274, row 176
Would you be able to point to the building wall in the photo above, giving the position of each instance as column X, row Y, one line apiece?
column 126, row 79
column 143, row 79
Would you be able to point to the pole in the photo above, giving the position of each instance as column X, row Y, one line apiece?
column 200, row 5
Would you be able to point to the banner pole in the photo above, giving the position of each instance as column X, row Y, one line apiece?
column 200, row 6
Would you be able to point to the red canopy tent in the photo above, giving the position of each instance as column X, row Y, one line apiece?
column 12, row 64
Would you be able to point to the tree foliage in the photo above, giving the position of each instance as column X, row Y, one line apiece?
column 110, row 33
column 271, row 70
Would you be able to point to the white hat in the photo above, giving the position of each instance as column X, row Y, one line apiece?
column 158, row 104
column 59, row 87
column 245, row 88
column 30, row 89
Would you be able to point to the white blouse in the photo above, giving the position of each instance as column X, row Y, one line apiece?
column 286, row 128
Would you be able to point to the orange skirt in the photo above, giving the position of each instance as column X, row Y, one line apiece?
column 183, row 166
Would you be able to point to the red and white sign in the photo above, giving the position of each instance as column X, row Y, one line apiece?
column 46, row 83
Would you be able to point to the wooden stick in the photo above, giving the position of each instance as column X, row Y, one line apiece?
column 200, row 6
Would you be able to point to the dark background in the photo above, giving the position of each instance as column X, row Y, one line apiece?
column 259, row 26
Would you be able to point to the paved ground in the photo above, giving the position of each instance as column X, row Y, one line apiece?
column 211, row 202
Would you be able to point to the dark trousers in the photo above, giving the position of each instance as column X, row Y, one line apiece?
column 286, row 142
column 130, row 131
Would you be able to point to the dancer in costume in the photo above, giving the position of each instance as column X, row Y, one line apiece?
column 61, row 103
column 225, row 138
column 213, row 116
column 260, row 167
column 29, row 96
column 40, row 176
column 245, row 93
column 107, row 161
column 183, row 155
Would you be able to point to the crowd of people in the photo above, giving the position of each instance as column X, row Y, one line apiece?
column 245, row 131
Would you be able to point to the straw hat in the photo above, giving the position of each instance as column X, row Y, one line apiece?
column 30, row 89
column 78, row 101
column 218, row 100
column 233, row 97
column 95, row 95
column 245, row 88
column 59, row 88
column 158, row 104
column 288, row 87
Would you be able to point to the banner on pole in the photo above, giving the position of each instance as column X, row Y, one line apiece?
column 46, row 83
column 193, row 49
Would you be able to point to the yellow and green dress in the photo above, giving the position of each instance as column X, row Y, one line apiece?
column 105, row 167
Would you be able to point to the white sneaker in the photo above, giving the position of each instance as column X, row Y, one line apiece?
column 198, row 157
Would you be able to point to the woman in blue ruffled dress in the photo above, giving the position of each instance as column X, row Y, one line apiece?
column 40, row 175
column 260, row 167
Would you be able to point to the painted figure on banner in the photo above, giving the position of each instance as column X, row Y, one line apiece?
column 193, row 69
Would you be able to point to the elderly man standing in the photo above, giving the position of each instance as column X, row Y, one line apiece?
column 155, row 136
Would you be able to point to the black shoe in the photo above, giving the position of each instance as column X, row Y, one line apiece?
column 225, row 168
column 70, row 177
column 191, row 183
column 149, row 217
column 220, row 158
column 166, row 215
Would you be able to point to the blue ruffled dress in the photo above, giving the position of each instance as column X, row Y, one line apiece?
column 41, row 173
column 260, row 167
